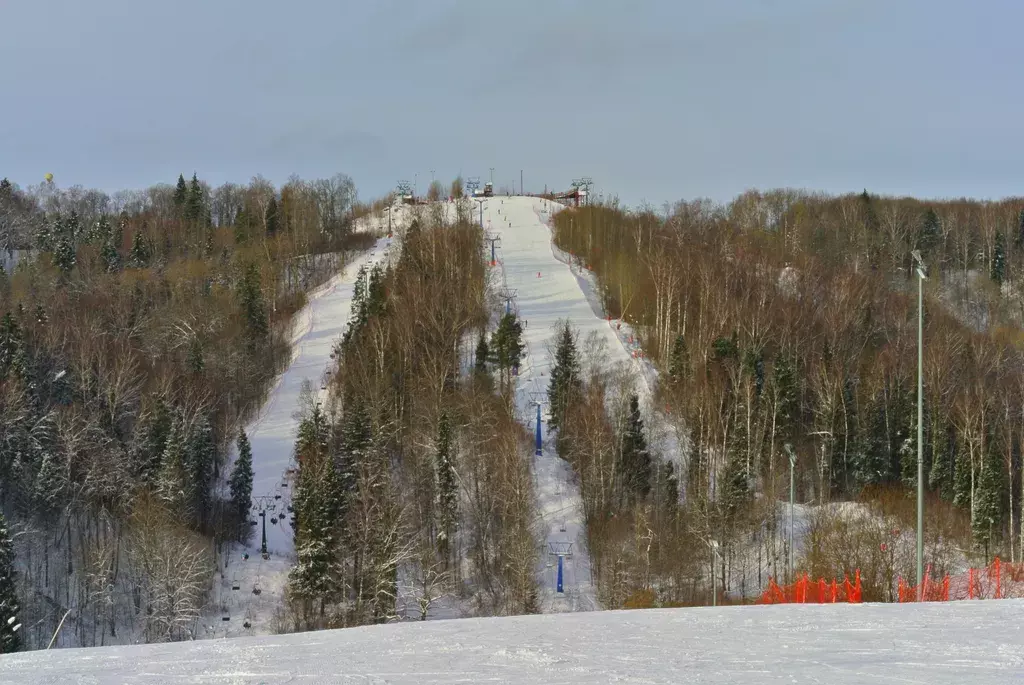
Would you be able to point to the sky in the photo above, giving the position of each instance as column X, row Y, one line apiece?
column 656, row 100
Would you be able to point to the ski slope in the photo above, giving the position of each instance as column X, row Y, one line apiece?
column 248, row 589
column 955, row 643
column 546, row 289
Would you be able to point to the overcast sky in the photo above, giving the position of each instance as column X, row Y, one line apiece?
column 656, row 100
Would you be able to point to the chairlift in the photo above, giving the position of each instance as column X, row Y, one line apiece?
column 266, row 557
column 256, row 591
column 290, row 508
column 236, row 587
column 247, row 625
column 284, row 485
column 273, row 521
column 226, row 618
column 277, row 496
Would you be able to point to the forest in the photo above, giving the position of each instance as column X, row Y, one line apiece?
column 138, row 331
column 791, row 317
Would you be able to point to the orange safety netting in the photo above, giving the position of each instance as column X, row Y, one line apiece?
column 805, row 591
column 998, row 580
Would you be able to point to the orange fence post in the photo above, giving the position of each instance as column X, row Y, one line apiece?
column 821, row 590
column 998, row 577
column 833, row 590
column 970, row 584
column 945, row 588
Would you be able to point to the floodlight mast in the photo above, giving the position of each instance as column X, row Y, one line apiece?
column 921, row 271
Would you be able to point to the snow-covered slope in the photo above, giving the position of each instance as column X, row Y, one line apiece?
column 248, row 589
column 980, row 643
column 546, row 289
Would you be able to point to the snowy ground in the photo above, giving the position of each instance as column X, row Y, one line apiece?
column 547, row 288
column 248, row 589
column 981, row 643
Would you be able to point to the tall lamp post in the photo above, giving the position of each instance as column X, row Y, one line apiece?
column 792, row 505
column 920, row 422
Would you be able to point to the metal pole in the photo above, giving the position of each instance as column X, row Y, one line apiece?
column 263, row 544
column 920, row 431
column 714, row 591
column 521, row 182
column 492, row 176
column 792, row 504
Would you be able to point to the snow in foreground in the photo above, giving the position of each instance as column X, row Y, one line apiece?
column 980, row 643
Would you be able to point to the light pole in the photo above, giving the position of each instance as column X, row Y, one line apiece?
column 713, row 544
column 920, row 422
column 492, row 176
column 792, row 506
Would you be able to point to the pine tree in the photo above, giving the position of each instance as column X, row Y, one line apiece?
column 987, row 513
column 787, row 407
column 273, row 220
column 872, row 460
column 317, row 505
column 447, row 488
column 679, row 360
column 635, row 461
column 943, row 448
column 172, row 482
column 11, row 344
column 110, row 255
column 930, row 233
column 180, row 193
column 150, row 442
column 250, row 295
column 482, row 353
column 507, row 346
column 200, row 466
column 668, row 490
column 139, row 256
column 240, row 482
column 999, row 259
column 566, row 384
column 194, row 201
column 962, row 473
column 10, row 640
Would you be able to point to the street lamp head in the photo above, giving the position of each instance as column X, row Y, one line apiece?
column 790, row 453
column 921, row 269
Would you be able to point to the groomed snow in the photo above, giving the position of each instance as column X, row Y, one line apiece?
column 980, row 643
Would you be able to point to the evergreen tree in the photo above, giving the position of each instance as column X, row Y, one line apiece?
column 787, row 407
column 139, row 256
column 872, row 460
column 201, row 466
column 194, row 201
column 940, row 478
column 482, row 353
column 930, row 233
column 566, row 384
column 999, row 259
column 10, row 640
column 240, row 482
column 668, row 489
column 151, row 442
column 987, row 513
column 194, row 360
column 962, row 479
column 11, row 344
column 317, row 504
column 447, row 488
column 735, row 489
column 1020, row 229
column 180, row 193
column 257, row 327
column 273, row 220
column 507, row 346
column 172, row 482
column 679, row 360
column 635, row 461
column 110, row 255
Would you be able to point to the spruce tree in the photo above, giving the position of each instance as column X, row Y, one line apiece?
column 273, row 220
column 11, row 343
column 172, row 482
column 180, row 193
column 987, row 513
column 254, row 310
column 872, row 461
column 940, row 478
column 786, row 406
column 150, row 443
column 139, row 256
column 482, row 353
column 240, row 482
column 999, row 259
column 679, row 360
column 317, row 504
column 110, row 256
column 962, row 479
column 200, row 466
column 668, row 491
column 10, row 639
column 507, row 346
column 194, row 201
column 930, row 233
column 447, row 488
column 634, row 460
column 566, row 384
